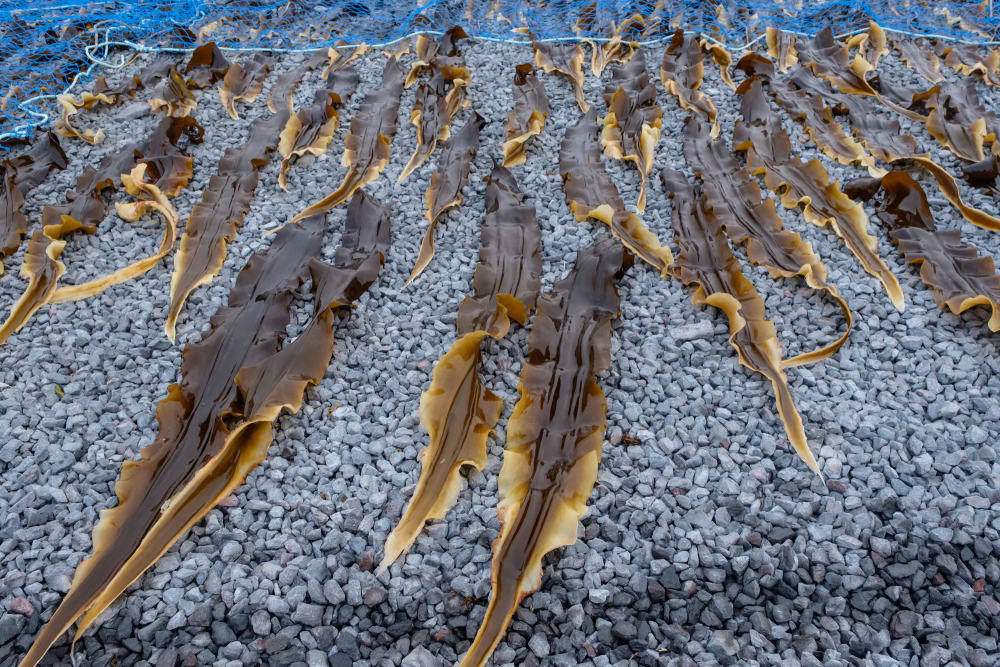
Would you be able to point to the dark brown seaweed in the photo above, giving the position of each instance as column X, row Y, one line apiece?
column 681, row 72
column 441, row 55
column 457, row 410
column 279, row 95
column 527, row 117
column 705, row 259
column 830, row 60
column 434, row 106
column 206, row 66
column 173, row 96
column 563, row 58
column 965, row 59
column 591, row 193
column 243, row 84
column 447, row 182
column 781, row 48
column 984, row 175
column 555, row 434
column 216, row 425
column 42, row 269
column 920, row 57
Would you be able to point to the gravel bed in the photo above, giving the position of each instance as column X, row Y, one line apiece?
column 707, row 540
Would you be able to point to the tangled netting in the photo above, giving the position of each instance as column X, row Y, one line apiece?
column 50, row 46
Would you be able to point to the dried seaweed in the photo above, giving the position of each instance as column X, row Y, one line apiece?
column 681, row 72
column 434, row 106
column 781, row 48
column 958, row 121
column 173, row 96
column 243, row 84
column 214, row 219
column 69, row 106
column 310, row 130
column 366, row 147
column 752, row 220
column 447, row 182
column 527, row 118
column 279, row 95
column 206, row 66
column 563, row 58
column 615, row 49
column 632, row 126
column 965, row 59
column 723, row 58
column 216, row 425
column 768, row 151
column 705, row 259
column 554, row 435
column 830, row 60
column 958, row 275
column 873, row 44
column 457, row 410
column 42, row 269
column 918, row 56
column 984, row 175
column 590, row 193
column 441, row 55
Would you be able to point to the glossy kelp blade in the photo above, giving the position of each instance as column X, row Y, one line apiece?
column 681, row 72
column 705, row 259
column 632, row 126
column 206, row 66
column 566, row 59
column 366, row 147
column 457, row 410
column 243, row 83
column 751, row 219
column 41, row 268
column 590, row 193
column 434, row 107
column 215, row 218
column 829, row 59
column 527, row 117
column 554, row 435
column 958, row 275
column 447, row 182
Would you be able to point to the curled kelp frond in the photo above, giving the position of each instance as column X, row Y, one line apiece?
column 632, row 126
column 920, row 57
column 705, row 260
column 723, row 58
column 206, row 66
column 965, row 59
column 984, row 174
column 173, row 96
column 527, row 117
column 873, row 43
column 590, row 193
column 957, row 274
column 829, row 59
column 216, row 425
column 434, row 106
column 41, row 268
column 958, row 121
column 616, row 49
column 243, row 83
column 447, row 182
column 554, row 435
column 751, row 219
column 457, row 410
column 366, row 147
column 441, row 55
column 69, row 106
column 681, row 72
column 781, row 48
column 563, row 58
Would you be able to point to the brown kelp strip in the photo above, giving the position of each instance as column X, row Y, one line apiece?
column 958, row 275
column 366, row 147
column 216, row 425
column 920, row 57
column 632, row 126
column 441, row 55
column 554, row 435
column 706, row 260
column 781, row 48
column 215, row 218
column 434, row 107
column 243, row 83
column 20, row 175
column 206, row 66
column 527, row 117
column 752, row 220
column 965, row 59
column 681, row 72
column 829, row 59
column 310, row 130
column 769, row 152
column 457, row 410
column 873, row 44
column 447, row 182
column 41, row 268
column 984, row 175
column 173, row 97
column 616, row 49
column 590, row 193
column 563, row 58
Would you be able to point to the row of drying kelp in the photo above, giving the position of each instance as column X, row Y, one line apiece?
column 216, row 424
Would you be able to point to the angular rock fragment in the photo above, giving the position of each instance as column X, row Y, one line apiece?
column 527, row 117
column 554, row 435
column 243, row 84
column 434, row 107
column 447, row 182
column 457, row 410
column 681, row 72
column 590, row 193
column 563, row 58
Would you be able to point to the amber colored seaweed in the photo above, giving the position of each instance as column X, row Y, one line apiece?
column 457, row 410
column 279, row 95
column 750, row 219
column 829, row 59
column 965, row 59
column 681, row 72
column 632, row 126
column 366, row 147
column 216, row 425
column 957, row 274
column 591, row 193
column 920, row 57
column 70, row 105
column 173, row 96
column 563, row 58
column 705, row 259
column 434, row 106
column 309, row 131
column 42, row 269
column 441, row 55
column 958, row 121
column 527, row 117
column 781, row 48
column 768, row 151
column 615, row 49
column 243, row 83
column 554, row 435
column 447, row 182
column 206, row 66
column 215, row 218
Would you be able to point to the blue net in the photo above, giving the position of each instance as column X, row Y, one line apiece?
column 50, row 46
